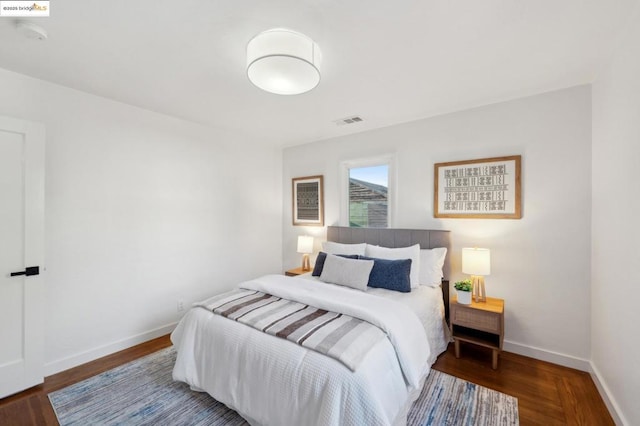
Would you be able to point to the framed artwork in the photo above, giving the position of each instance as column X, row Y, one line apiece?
column 488, row 188
column 308, row 201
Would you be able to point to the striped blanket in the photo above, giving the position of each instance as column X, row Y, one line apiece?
column 345, row 338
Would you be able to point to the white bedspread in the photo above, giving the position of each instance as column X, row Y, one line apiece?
column 426, row 302
column 271, row 381
column 428, row 305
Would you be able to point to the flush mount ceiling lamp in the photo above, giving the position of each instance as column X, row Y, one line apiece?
column 283, row 62
column 31, row 30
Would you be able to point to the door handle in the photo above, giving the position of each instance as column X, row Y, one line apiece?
column 30, row 270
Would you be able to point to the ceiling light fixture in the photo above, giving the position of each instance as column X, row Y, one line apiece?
column 283, row 62
column 31, row 30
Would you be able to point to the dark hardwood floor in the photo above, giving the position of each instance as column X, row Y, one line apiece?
column 547, row 394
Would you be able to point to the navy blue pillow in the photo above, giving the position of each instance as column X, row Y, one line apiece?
column 322, row 256
column 390, row 274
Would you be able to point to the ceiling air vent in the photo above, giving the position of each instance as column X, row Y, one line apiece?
column 348, row 120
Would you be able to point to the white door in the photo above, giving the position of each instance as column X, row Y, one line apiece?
column 21, row 247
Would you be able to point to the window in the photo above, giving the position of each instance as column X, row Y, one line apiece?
column 366, row 197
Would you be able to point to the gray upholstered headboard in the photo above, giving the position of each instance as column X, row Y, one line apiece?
column 398, row 238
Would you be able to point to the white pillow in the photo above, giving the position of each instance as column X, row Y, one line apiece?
column 412, row 253
column 352, row 273
column 431, row 262
column 330, row 247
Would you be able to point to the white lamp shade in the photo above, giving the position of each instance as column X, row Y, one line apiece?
column 283, row 62
column 305, row 244
column 476, row 261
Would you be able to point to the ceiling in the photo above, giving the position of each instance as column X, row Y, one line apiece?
column 387, row 62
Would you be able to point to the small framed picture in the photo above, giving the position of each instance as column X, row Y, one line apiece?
column 488, row 188
column 308, row 201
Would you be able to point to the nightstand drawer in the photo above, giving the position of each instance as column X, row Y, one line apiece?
column 480, row 320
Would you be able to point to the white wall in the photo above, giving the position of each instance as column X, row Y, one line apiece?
column 540, row 264
column 615, row 344
column 141, row 210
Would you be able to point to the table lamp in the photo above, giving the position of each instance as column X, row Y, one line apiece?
column 305, row 246
column 477, row 263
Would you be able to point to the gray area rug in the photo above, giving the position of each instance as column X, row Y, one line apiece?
column 142, row 392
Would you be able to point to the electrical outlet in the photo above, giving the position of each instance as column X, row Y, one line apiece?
column 180, row 305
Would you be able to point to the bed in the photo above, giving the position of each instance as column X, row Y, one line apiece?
column 270, row 380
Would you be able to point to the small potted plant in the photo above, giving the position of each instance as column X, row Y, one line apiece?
column 464, row 291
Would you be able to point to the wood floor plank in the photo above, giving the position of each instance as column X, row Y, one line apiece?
column 548, row 394
column 573, row 395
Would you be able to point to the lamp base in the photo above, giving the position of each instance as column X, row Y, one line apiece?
column 306, row 265
column 479, row 295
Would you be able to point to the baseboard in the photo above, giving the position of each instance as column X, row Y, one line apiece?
column 610, row 402
column 549, row 356
column 93, row 354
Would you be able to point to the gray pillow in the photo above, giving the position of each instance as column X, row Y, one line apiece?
column 317, row 268
column 352, row 273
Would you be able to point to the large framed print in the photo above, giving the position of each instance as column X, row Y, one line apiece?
column 488, row 188
column 308, row 201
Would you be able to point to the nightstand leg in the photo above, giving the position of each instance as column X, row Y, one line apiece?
column 457, row 346
column 494, row 360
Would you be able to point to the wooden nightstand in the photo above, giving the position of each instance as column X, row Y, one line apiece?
column 296, row 271
column 481, row 323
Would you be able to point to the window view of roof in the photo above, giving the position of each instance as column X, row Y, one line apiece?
column 368, row 201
